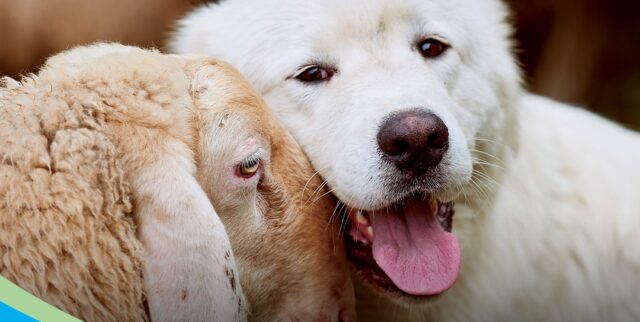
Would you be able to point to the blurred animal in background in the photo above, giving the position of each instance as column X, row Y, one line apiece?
column 119, row 167
column 32, row 30
column 465, row 197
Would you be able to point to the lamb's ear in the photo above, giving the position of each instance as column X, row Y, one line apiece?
column 196, row 67
column 215, row 83
column 189, row 269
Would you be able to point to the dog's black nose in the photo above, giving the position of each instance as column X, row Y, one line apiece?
column 414, row 140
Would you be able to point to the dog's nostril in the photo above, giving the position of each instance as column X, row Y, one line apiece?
column 439, row 139
column 413, row 140
column 397, row 148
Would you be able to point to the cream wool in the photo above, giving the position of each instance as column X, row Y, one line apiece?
column 110, row 160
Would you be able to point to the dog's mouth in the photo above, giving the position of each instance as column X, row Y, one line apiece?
column 406, row 249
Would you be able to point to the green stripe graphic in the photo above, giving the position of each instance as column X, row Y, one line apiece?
column 22, row 301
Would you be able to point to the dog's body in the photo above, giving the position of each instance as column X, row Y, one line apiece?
column 546, row 214
column 555, row 238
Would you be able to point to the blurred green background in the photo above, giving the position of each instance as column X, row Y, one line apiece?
column 584, row 52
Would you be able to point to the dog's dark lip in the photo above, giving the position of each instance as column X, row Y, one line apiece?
column 360, row 254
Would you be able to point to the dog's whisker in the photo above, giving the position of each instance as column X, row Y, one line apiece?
column 485, row 140
column 335, row 214
column 315, row 192
column 485, row 177
column 485, row 187
column 478, row 189
column 488, row 155
column 482, row 178
column 304, row 188
column 481, row 162
column 321, row 196
column 485, row 153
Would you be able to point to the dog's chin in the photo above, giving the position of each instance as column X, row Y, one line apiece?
column 385, row 244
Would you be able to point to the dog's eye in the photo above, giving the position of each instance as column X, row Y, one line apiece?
column 248, row 168
column 432, row 48
column 315, row 74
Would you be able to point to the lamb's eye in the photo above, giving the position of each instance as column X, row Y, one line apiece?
column 315, row 74
column 249, row 168
column 432, row 48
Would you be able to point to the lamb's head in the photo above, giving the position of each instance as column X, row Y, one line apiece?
column 275, row 208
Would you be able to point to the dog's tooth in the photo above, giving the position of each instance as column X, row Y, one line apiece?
column 361, row 219
column 370, row 232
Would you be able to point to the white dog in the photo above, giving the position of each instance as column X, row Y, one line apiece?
column 407, row 107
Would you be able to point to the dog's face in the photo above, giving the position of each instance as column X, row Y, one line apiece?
column 394, row 101
column 291, row 261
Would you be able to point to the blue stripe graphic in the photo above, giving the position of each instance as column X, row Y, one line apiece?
column 8, row 314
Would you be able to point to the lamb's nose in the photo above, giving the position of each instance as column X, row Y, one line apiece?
column 413, row 140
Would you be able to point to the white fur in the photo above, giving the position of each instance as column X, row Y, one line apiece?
column 549, row 220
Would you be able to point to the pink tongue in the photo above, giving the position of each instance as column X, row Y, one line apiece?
column 413, row 249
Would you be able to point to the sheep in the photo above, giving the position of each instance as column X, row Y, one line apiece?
column 136, row 185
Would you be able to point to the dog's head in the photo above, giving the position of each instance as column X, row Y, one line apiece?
column 396, row 102
column 276, row 211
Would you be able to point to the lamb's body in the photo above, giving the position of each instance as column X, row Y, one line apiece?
column 85, row 145
column 60, row 170
column 105, row 157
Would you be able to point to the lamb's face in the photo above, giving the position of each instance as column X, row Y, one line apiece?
column 277, row 213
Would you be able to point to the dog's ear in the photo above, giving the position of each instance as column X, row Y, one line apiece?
column 198, row 31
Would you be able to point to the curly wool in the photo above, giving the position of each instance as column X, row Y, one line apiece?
column 68, row 234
